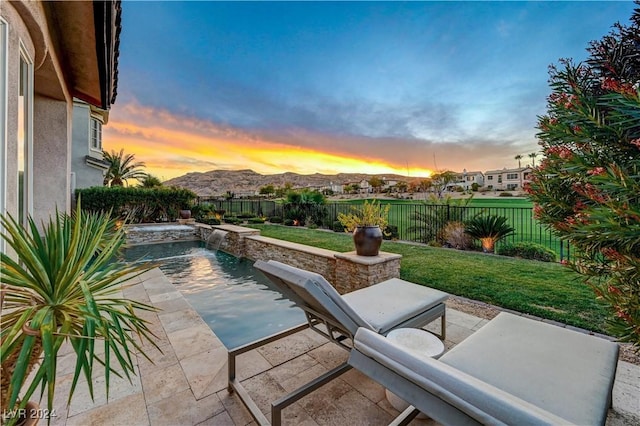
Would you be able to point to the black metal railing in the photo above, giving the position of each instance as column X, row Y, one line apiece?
column 419, row 222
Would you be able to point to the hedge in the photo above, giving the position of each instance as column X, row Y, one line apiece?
column 136, row 203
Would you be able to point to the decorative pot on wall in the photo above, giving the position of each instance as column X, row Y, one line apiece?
column 367, row 240
column 185, row 214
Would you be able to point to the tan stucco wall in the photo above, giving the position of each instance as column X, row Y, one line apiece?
column 27, row 25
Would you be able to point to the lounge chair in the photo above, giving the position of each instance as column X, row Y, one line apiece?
column 379, row 308
column 513, row 371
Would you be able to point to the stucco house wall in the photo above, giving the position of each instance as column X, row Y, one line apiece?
column 71, row 50
column 27, row 32
column 85, row 173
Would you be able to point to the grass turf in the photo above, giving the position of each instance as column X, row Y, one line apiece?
column 547, row 290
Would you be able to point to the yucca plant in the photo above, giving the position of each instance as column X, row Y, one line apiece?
column 489, row 230
column 62, row 287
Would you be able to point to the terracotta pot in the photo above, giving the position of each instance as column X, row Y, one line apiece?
column 185, row 214
column 367, row 240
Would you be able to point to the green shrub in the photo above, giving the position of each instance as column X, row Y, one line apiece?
column 289, row 222
column 527, row 250
column 209, row 221
column 275, row 219
column 489, row 230
column 454, row 236
column 232, row 220
column 427, row 223
column 255, row 220
column 587, row 186
column 139, row 204
column 390, row 233
column 246, row 215
column 337, row 226
column 506, row 194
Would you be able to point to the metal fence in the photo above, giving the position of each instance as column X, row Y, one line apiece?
column 419, row 222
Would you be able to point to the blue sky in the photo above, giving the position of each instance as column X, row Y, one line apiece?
column 341, row 86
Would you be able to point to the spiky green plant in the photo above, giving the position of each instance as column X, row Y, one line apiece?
column 368, row 214
column 62, row 287
column 489, row 230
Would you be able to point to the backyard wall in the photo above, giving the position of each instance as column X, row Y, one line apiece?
column 346, row 271
column 157, row 233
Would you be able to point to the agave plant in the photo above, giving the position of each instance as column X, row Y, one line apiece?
column 489, row 230
column 62, row 287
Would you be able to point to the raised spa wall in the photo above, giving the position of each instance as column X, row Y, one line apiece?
column 346, row 271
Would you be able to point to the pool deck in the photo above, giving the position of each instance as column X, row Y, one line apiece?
column 187, row 385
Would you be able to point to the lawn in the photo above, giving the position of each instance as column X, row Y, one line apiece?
column 547, row 290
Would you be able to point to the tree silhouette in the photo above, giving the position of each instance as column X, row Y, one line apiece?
column 121, row 168
column 533, row 156
column 518, row 157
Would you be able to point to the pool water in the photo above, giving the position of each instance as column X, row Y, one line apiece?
column 238, row 302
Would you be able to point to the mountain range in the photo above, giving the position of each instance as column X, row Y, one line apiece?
column 241, row 182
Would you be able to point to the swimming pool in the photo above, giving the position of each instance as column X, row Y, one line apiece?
column 239, row 304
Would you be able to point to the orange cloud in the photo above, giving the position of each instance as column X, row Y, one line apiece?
column 172, row 145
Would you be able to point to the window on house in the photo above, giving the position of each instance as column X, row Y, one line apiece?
column 96, row 134
column 489, row 177
column 25, row 137
column 512, row 176
column 3, row 123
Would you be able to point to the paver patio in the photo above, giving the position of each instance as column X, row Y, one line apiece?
column 187, row 383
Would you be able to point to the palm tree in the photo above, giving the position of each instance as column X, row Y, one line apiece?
column 121, row 168
column 489, row 230
column 150, row 181
column 518, row 157
column 533, row 156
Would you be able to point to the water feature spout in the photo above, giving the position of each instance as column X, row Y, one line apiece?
column 215, row 239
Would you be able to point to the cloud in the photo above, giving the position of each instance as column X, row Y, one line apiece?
column 173, row 144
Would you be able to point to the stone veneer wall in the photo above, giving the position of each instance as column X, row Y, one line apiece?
column 149, row 233
column 353, row 272
column 346, row 271
column 234, row 240
column 301, row 256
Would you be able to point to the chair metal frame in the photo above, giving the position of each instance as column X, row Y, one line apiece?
column 329, row 328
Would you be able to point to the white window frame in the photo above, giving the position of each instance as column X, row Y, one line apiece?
column 28, row 99
column 4, row 117
column 93, row 119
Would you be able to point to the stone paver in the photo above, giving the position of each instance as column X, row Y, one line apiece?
column 187, row 384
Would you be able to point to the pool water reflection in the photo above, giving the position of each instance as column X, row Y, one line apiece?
column 239, row 304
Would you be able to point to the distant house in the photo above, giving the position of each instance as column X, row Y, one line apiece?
column 88, row 167
column 507, row 179
column 50, row 54
column 465, row 180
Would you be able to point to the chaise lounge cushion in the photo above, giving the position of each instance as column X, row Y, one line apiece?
column 570, row 374
column 512, row 371
column 404, row 301
column 381, row 307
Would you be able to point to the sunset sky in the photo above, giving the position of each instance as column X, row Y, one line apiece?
column 328, row 87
